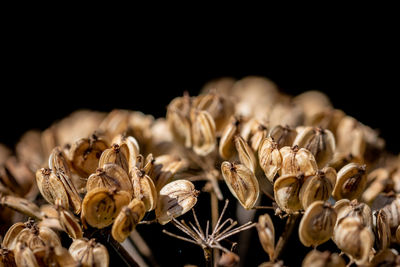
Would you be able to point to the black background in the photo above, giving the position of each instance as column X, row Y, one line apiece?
column 45, row 79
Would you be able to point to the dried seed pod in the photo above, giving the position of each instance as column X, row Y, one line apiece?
column 59, row 164
column 270, row 158
column 29, row 149
column 312, row 102
column 165, row 167
column 320, row 142
column 317, row 224
column 127, row 220
column 393, row 212
column 116, row 122
column 351, row 181
column 131, row 144
column 89, row 253
column 178, row 121
column 101, row 205
column 266, row 234
column 10, row 239
column 37, row 237
column 316, row 258
column 398, row 234
column 69, row 223
column 286, row 191
column 175, row 199
column 245, row 153
column 52, row 188
column 360, row 211
column 144, row 189
column 296, row 161
column 340, row 160
column 318, row 187
column 254, row 131
column 109, row 176
column 7, row 258
column 21, row 205
column 117, row 155
column 241, row 182
column 350, row 137
column 378, row 180
column 85, row 154
column 354, row 239
column 226, row 147
column 203, row 132
column 283, row 135
column 286, row 114
column 55, row 256
column 146, row 165
column 327, row 119
column 228, row 259
column 24, row 256
column 381, row 229
column 385, row 257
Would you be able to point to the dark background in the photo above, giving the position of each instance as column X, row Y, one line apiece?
column 44, row 80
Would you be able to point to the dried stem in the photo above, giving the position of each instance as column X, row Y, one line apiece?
column 214, row 221
column 290, row 224
column 143, row 248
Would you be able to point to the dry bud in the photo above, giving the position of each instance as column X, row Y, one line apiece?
column 175, row 199
column 241, row 182
column 351, row 181
column 127, row 220
column 317, row 224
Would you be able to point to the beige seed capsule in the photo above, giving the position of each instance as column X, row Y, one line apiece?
column 351, row 181
column 340, row 160
column 226, row 147
column 327, row 119
column 245, row 153
column 101, row 205
column 51, row 187
column 59, row 164
column 38, row 237
column 378, row 180
column 21, row 205
column 398, row 234
column 312, row 102
column 165, row 167
column 24, row 256
column 132, row 145
column 117, row 154
column 69, row 223
column 127, row 219
column 393, row 212
column 89, row 253
column 10, row 239
column 242, row 183
column 386, row 257
column 320, row 142
column 270, row 158
column 7, row 258
column 283, row 135
column 85, row 154
column 350, row 137
column 144, row 189
column 178, row 121
column 318, row 187
column 286, row 192
column 175, row 198
column 354, row 239
column 55, row 256
column 228, row 259
column 266, row 234
column 381, row 229
column 109, row 176
column 317, row 224
column 203, row 132
column 297, row 160
column 360, row 211
column 316, row 258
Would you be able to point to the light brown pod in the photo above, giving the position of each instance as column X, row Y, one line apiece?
column 59, row 164
column 228, row 259
column 340, row 160
column 109, row 176
column 242, row 183
column 175, row 199
column 354, row 239
column 101, row 205
column 378, row 180
column 85, row 154
column 178, row 121
column 283, row 135
column 52, row 188
column 381, row 229
column 398, row 234
column 203, row 132
column 226, row 147
column 21, row 205
column 257, row 135
column 7, row 258
column 117, row 154
column 245, row 153
column 350, row 137
column 360, row 211
column 393, row 212
column 318, row 187
column 270, row 158
column 165, row 167
column 316, row 258
column 327, row 119
column 24, row 256
column 38, row 237
column 317, row 224
column 89, row 253
column 297, row 160
column 385, row 258
column 131, row 144
column 144, row 189
column 320, row 142
column 127, row 219
column 286, row 192
column 69, row 223
column 55, row 256
column 266, row 234
column 351, row 181
column 10, row 239
column 312, row 102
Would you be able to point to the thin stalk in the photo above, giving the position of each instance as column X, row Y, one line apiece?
column 289, row 227
column 214, row 221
